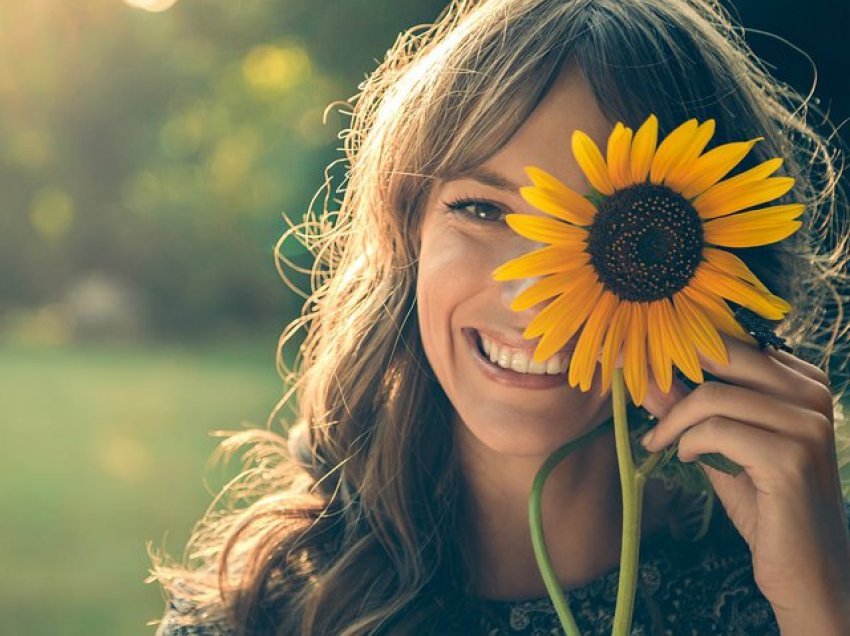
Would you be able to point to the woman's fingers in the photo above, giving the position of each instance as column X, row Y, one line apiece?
column 782, row 375
column 715, row 399
column 801, row 366
column 657, row 401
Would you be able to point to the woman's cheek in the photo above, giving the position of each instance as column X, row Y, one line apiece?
column 455, row 254
column 453, row 273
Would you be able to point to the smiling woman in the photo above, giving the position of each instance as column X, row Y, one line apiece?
column 397, row 502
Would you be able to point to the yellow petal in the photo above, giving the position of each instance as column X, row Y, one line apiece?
column 724, row 199
column 755, row 227
column 767, row 305
column 643, row 149
column 671, row 148
column 700, row 330
column 591, row 162
column 777, row 302
column 569, row 199
column 583, row 362
column 679, row 173
column 718, row 312
column 659, row 359
column 681, row 348
column 548, row 260
column 550, row 203
column 634, row 355
column 564, row 323
column 756, row 236
column 550, row 314
column 619, row 148
column 546, row 230
column 552, row 286
column 728, row 262
column 714, row 165
column 753, row 175
column 614, row 342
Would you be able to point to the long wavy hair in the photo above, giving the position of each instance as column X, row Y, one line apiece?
column 351, row 519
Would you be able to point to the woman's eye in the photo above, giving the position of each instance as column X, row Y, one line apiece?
column 477, row 211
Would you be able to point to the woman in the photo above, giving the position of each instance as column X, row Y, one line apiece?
column 398, row 502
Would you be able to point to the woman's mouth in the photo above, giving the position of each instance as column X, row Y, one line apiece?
column 514, row 367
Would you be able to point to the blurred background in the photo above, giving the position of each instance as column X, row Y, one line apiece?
column 148, row 152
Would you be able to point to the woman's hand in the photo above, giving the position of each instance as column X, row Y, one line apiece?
column 774, row 418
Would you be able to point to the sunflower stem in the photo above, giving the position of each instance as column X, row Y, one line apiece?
column 538, row 539
column 631, row 482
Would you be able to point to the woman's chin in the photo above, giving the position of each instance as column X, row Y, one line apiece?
column 530, row 436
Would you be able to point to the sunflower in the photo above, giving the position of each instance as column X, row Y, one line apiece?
column 639, row 264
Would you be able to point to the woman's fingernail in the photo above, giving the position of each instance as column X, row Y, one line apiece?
column 647, row 438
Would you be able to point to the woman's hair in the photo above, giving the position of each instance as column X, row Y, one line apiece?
column 351, row 521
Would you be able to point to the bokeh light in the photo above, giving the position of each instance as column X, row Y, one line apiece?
column 51, row 213
column 154, row 6
column 276, row 68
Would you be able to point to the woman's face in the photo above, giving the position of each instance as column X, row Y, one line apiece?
column 457, row 300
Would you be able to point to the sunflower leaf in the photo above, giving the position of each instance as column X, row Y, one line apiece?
column 722, row 463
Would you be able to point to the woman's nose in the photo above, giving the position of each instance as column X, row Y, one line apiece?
column 510, row 289
column 513, row 288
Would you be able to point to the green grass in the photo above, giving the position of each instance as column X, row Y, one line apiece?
column 104, row 449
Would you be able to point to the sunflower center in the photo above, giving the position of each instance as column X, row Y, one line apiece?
column 645, row 242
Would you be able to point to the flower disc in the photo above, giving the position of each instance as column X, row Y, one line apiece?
column 645, row 242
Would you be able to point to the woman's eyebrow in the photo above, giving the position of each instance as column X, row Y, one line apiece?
column 488, row 177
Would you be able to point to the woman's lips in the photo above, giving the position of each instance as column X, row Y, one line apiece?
column 508, row 377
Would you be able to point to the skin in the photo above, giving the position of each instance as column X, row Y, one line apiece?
column 774, row 418
column 775, row 421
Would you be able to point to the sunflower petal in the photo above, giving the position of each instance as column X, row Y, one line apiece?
column 643, row 149
column 728, row 262
column 681, row 348
column 659, row 359
column 761, row 290
column 564, row 323
column 614, row 342
column 716, row 202
column 680, row 171
column 699, row 328
column 546, row 230
column 765, row 304
column 548, row 260
column 576, row 287
column 591, row 162
column 552, row 286
column 583, row 362
column 634, row 355
column 706, row 201
column 577, row 205
column 619, row 148
column 555, row 205
column 671, row 148
column 718, row 312
column 755, row 227
column 714, row 165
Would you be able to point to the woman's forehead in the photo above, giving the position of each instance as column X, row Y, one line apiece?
column 544, row 139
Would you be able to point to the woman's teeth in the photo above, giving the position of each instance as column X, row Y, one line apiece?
column 522, row 362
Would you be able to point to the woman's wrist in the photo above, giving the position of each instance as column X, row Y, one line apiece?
column 829, row 617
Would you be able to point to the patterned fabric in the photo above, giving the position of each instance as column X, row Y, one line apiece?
column 684, row 589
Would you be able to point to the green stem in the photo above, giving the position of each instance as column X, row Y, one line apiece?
column 535, row 520
column 631, row 482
